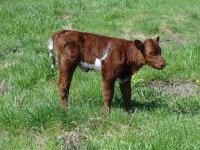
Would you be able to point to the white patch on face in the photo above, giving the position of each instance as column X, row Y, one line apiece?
column 120, row 80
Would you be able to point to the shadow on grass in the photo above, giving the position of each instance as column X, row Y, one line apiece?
column 153, row 104
column 143, row 106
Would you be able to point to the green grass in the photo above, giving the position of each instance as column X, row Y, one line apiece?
column 30, row 115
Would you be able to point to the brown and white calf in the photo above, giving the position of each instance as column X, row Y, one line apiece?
column 117, row 59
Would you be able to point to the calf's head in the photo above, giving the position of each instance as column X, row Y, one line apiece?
column 152, row 52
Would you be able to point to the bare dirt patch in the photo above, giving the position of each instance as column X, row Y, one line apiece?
column 177, row 88
column 164, row 29
column 178, row 39
column 71, row 140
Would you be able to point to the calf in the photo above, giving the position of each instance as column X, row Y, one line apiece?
column 117, row 59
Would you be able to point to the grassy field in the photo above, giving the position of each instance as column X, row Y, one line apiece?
column 30, row 115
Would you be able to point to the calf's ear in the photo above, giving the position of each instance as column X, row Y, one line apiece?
column 139, row 45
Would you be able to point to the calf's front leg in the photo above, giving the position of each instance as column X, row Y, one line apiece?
column 125, row 88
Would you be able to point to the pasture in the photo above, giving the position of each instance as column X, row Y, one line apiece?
column 165, row 104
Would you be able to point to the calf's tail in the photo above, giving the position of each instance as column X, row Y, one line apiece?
column 51, row 52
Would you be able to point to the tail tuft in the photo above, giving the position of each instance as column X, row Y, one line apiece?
column 51, row 53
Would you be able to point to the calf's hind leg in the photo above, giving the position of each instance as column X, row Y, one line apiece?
column 66, row 70
column 108, row 91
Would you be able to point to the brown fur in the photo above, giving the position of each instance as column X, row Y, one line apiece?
column 124, row 58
